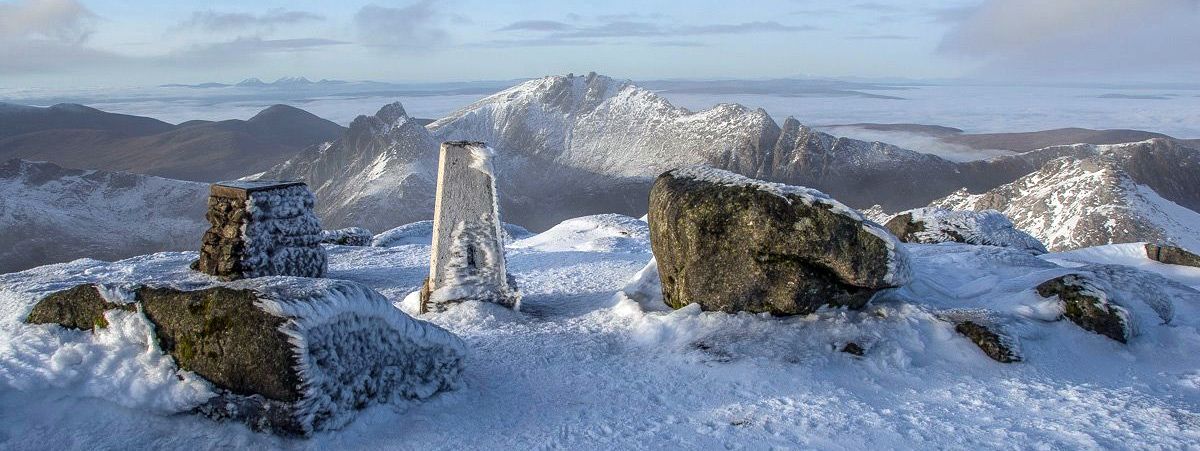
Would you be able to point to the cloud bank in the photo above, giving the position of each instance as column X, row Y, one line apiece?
column 1068, row 38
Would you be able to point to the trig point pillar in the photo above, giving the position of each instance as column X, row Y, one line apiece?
column 467, row 259
column 261, row 228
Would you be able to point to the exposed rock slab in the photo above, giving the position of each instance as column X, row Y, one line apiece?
column 350, row 236
column 730, row 243
column 1172, row 255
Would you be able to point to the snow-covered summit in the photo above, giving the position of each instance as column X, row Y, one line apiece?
column 694, row 379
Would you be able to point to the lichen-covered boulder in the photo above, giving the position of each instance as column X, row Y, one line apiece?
column 940, row 225
column 731, row 243
column 80, row 307
column 350, row 236
column 288, row 355
column 1172, row 255
column 1088, row 305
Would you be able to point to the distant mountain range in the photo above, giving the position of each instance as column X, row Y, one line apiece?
column 82, row 137
column 576, row 145
column 284, row 82
column 567, row 146
column 1018, row 141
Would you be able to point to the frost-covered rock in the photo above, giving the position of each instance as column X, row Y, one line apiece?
column 983, row 329
column 730, row 243
column 350, row 236
column 288, row 355
column 1116, row 301
column 1089, row 306
column 939, row 225
column 262, row 228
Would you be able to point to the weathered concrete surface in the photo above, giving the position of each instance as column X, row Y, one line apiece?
column 467, row 259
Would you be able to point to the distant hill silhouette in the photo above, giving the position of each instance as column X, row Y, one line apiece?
column 83, row 137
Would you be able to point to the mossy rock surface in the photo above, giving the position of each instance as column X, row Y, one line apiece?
column 992, row 344
column 221, row 335
column 1087, row 306
column 81, row 307
column 739, row 247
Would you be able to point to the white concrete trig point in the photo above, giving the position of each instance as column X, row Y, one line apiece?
column 467, row 259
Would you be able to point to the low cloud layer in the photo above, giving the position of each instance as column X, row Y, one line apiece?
column 550, row 32
column 1063, row 38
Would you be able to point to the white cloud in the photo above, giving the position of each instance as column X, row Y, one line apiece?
column 217, row 21
column 54, row 20
column 418, row 26
column 38, row 35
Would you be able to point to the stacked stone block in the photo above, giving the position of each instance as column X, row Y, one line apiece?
column 261, row 228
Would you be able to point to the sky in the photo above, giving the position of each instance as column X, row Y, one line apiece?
column 77, row 43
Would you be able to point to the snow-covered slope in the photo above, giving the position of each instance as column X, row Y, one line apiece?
column 1078, row 202
column 580, row 367
column 52, row 214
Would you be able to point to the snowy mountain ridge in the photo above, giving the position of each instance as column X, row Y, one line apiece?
column 52, row 214
column 381, row 173
column 574, row 145
column 1073, row 203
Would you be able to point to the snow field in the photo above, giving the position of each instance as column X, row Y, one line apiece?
column 582, row 367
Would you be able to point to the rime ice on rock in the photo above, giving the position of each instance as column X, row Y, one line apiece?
column 261, row 228
column 467, row 260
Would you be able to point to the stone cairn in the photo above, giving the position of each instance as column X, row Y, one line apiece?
column 467, row 260
column 261, row 228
